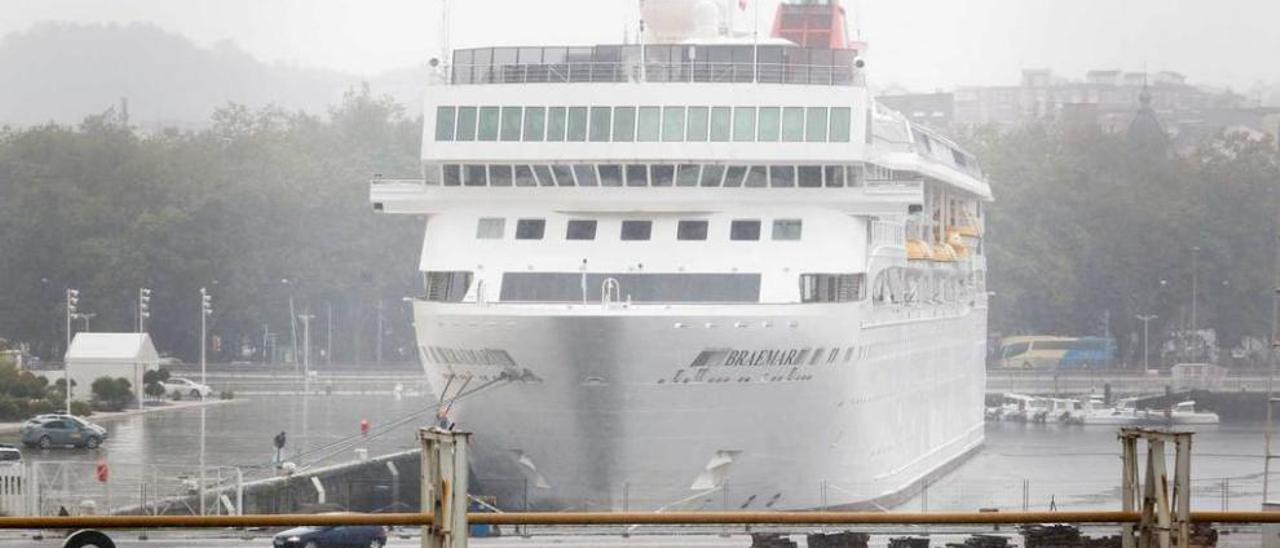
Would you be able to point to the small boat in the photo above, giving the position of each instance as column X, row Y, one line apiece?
column 1186, row 413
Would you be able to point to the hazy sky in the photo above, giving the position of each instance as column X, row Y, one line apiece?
column 921, row 44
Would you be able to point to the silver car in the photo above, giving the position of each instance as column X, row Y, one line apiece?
column 50, row 416
column 60, row 432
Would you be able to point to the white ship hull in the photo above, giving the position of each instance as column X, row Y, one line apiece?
column 788, row 406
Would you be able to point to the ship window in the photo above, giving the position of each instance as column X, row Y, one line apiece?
column 491, row 228
column 691, row 230
column 711, row 175
column 769, row 119
column 511, row 123
column 448, row 287
column 687, row 174
column 466, row 124
column 524, row 176
column 733, row 176
column 452, row 175
column 697, row 130
column 577, row 128
column 564, row 175
column 544, row 176
column 672, row 123
column 555, row 123
column 586, row 175
column 600, row 119
column 671, row 288
column 782, row 176
column 610, row 175
column 786, row 229
column 580, row 229
column 535, row 119
column 744, row 230
column 431, row 174
column 809, row 176
column 637, row 175
column 744, row 123
column 757, row 177
column 793, row 124
column 636, row 230
column 663, row 174
column 475, row 175
column 483, row 58
column 624, row 124
column 530, row 229
column 832, row 288
column 816, row 125
column 445, row 119
column 721, row 122
column 488, row 129
column 840, row 124
column 834, row 176
column 499, row 175
column 649, row 124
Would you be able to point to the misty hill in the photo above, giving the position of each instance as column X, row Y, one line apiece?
column 63, row 72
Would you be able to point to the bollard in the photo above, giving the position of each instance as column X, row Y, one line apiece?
column 444, row 487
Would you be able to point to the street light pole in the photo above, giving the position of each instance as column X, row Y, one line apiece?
column 73, row 298
column 306, row 351
column 1195, row 286
column 144, row 309
column 1146, row 339
column 378, row 354
column 206, row 309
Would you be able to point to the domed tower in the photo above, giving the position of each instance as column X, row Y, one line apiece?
column 1146, row 134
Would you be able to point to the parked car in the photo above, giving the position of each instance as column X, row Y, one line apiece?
column 169, row 361
column 10, row 455
column 60, row 432
column 184, row 387
column 346, row 536
column 102, row 432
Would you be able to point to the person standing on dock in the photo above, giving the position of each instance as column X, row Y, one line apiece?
column 279, row 443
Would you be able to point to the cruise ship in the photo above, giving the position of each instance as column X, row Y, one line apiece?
column 701, row 270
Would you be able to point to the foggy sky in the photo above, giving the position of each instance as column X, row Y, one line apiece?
column 919, row 44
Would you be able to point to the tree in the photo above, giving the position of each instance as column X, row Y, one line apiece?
column 112, row 394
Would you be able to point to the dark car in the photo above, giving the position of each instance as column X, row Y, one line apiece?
column 345, row 536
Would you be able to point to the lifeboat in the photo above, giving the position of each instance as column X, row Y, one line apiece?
column 944, row 254
column 957, row 243
column 917, row 250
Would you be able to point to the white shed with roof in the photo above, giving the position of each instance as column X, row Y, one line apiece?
column 94, row 355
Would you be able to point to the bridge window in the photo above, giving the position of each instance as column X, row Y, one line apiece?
column 499, row 175
column 672, row 123
column 452, row 174
column 733, row 176
column 488, row 129
column 524, row 176
column 835, row 176
column 530, row 229
column 649, row 125
column 711, row 175
column 610, row 175
column 744, row 230
column 757, row 177
column 600, row 122
column 769, row 120
column 637, row 175
column 475, row 174
column 816, row 125
column 793, row 124
column 691, row 230
column 663, row 174
column 687, row 174
column 579, row 229
column 721, row 123
column 564, row 175
column 511, row 120
column 624, row 124
column 744, row 123
column 782, row 176
column 491, row 228
column 646, row 287
column 445, row 119
column 786, row 229
column 697, row 130
column 636, row 230
column 466, row 124
column 535, row 119
column 447, row 287
column 577, row 128
column 555, row 123
column 809, row 176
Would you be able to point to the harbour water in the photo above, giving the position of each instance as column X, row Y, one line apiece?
column 1035, row 466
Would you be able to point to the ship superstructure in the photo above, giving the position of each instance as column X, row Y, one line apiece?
column 704, row 272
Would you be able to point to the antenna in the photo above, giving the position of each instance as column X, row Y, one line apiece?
column 446, row 51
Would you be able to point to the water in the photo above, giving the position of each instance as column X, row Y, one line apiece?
column 1070, row 467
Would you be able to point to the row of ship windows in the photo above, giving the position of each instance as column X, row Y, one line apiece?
column 645, row 175
column 644, row 124
column 494, row 228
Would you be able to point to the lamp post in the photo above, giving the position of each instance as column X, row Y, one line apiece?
column 378, row 351
column 306, row 351
column 1146, row 339
column 73, row 298
column 1195, row 286
column 206, row 309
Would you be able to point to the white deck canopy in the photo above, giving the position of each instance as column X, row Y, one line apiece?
column 94, row 355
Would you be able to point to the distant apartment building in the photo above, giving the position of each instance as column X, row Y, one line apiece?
column 1105, row 99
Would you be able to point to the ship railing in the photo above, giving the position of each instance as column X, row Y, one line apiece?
column 887, row 233
column 380, row 180
column 680, row 72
